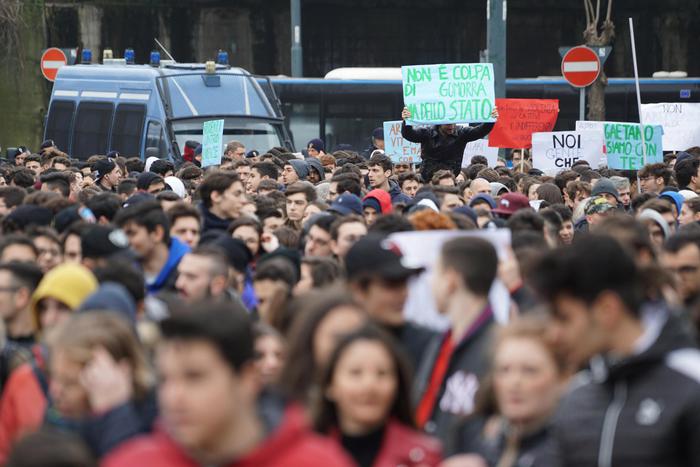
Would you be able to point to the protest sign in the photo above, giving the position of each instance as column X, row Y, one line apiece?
column 518, row 119
column 212, row 142
column 400, row 151
column 557, row 151
column 451, row 93
column 421, row 249
column 623, row 145
column 630, row 151
column 681, row 122
column 480, row 147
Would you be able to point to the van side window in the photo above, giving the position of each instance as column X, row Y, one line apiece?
column 59, row 123
column 128, row 129
column 155, row 142
column 91, row 131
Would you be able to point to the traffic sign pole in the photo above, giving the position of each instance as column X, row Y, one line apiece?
column 582, row 104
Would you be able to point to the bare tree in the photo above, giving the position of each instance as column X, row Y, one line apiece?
column 598, row 34
column 10, row 24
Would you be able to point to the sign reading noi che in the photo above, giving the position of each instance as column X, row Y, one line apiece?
column 556, row 151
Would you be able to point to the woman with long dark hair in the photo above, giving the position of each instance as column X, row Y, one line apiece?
column 364, row 403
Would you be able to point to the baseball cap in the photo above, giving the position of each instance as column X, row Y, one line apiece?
column 376, row 256
column 100, row 241
column 346, row 204
column 103, row 167
column 510, row 203
column 598, row 205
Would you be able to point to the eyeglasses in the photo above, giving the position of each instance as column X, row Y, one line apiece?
column 9, row 289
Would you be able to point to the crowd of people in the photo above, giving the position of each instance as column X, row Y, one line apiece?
column 252, row 313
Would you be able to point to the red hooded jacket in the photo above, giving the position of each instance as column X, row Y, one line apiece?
column 405, row 446
column 291, row 445
column 383, row 198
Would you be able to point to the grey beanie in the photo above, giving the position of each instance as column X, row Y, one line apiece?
column 300, row 167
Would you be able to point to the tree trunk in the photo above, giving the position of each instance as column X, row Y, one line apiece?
column 23, row 90
column 595, row 37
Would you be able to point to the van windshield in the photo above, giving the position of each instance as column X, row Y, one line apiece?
column 234, row 95
column 259, row 135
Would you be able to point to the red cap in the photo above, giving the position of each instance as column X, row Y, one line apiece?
column 511, row 202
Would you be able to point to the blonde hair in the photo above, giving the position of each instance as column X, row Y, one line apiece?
column 83, row 332
column 532, row 327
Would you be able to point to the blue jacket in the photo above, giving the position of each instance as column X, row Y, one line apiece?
column 168, row 275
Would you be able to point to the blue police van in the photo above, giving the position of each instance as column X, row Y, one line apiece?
column 152, row 110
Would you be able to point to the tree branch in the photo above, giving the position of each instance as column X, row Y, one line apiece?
column 597, row 13
column 607, row 17
column 588, row 15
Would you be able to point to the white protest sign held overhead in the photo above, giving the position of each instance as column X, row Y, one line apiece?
column 681, row 122
column 555, row 151
column 480, row 147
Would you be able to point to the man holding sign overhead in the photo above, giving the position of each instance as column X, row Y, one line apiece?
column 443, row 95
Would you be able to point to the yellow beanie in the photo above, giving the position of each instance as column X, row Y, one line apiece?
column 69, row 283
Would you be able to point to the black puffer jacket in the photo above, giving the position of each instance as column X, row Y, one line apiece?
column 440, row 151
column 638, row 412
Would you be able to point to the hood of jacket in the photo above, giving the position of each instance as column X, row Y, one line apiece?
column 670, row 334
column 382, row 197
column 397, row 196
column 178, row 249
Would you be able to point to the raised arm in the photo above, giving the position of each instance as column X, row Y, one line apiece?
column 414, row 135
column 472, row 133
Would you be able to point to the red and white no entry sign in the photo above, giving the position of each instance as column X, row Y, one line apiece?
column 580, row 66
column 51, row 60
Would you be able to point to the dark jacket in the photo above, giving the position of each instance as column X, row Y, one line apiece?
column 211, row 221
column 467, row 365
column 439, row 151
column 641, row 411
column 168, row 274
column 533, row 448
column 104, row 432
column 415, row 340
column 398, row 196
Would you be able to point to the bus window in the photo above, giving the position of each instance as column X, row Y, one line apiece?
column 59, row 123
column 304, row 123
column 155, row 143
column 352, row 122
column 128, row 129
column 91, row 132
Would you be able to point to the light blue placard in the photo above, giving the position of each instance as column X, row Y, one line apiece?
column 212, row 142
column 398, row 149
column 451, row 93
column 623, row 145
